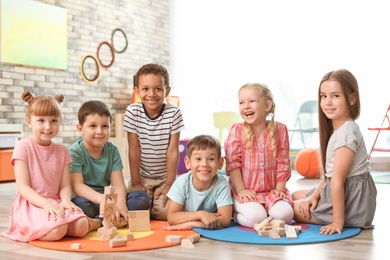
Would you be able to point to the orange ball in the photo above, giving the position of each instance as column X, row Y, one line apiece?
column 307, row 163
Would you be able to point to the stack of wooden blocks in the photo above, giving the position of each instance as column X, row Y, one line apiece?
column 276, row 229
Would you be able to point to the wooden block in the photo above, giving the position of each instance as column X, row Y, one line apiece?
column 274, row 234
column 298, row 229
column 194, row 238
column 173, row 239
column 277, row 223
column 130, row 236
column 138, row 214
column 281, row 231
column 109, row 190
column 105, row 234
column 186, row 243
column 118, row 242
column 290, row 232
column 263, row 233
column 263, row 223
column 75, row 246
column 267, row 228
column 139, row 220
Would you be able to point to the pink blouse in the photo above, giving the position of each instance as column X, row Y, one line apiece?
column 260, row 169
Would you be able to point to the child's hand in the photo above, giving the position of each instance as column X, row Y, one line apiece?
column 210, row 220
column 53, row 211
column 67, row 204
column 142, row 187
column 278, row 194
column 122, row 210
column 246, row 196
column 307, row 205
column 331, row 229
column 163, row 192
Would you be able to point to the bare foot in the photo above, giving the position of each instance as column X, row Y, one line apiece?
column 95, row 224
column 121, row 223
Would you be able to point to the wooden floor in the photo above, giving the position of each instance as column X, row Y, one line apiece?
column 369, row 244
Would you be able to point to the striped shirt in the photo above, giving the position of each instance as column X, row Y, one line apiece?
column 153, row 136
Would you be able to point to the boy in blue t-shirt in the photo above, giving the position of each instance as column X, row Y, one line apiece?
column 97, row 163
column 201, row 197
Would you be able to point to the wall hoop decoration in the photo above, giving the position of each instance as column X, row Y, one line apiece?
column 112, row 54
column 82, row 71
column 112, row 40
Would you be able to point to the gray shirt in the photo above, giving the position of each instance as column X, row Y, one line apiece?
column 348, row 135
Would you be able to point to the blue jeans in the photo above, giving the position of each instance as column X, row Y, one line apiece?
column 135, row 200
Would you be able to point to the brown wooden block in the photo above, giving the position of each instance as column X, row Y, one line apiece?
column 277, row 223
column 118, row 242
column 290, row 232
column 194, row 238
column 263, row 233
column 274, row 234
column 173, row 239
column 186, row 243
column 75, row 246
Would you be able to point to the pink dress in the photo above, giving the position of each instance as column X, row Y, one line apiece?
column 260, row 170
column 45, row 164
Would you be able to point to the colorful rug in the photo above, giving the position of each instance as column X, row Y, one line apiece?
column 381, row 178
column 239, row 234
column 142, row 240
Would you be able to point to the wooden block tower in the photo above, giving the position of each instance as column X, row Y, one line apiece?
column 107, row 210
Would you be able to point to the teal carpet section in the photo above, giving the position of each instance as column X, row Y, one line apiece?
column 310, row 234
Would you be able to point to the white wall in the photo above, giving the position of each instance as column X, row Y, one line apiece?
column 219, row 45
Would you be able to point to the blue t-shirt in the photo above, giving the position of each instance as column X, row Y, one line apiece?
column 184, row 193
column 96, row 172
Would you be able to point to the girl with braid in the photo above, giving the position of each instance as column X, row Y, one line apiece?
column 258, row 160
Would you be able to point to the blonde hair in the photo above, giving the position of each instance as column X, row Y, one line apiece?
column 42, row 105
column 264, row 92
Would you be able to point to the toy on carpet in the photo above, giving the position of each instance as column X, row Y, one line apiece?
column 139, row 220
column 75, row 246
column 107, row 210
column 276, row 229
column 307, row 163
column 184, row 242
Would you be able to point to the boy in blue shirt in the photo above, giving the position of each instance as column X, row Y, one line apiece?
column 201, row 197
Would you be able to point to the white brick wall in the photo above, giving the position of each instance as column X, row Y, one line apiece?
column 146, row 24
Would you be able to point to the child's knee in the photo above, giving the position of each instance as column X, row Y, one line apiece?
column 138, row 200
column 55, row 234
column 248, row 219
column 282, row 210
column 79, row 227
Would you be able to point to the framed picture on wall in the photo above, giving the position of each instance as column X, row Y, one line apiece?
column 33, row 34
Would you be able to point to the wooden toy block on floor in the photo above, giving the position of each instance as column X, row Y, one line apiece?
column 194, row 238
column 262, row 224
column 75, row 246
column 130, row 236
column 139, row 220
column 290, row 232
column 107, row 210
column 118, row 241
column 173, row 239
column 186, row 243
column 276, row 229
